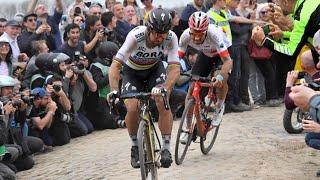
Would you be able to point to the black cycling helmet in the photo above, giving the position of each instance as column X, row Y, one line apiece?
column 159, row 20
column 107, row 50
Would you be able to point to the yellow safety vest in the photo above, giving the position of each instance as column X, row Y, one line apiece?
column 222, row 22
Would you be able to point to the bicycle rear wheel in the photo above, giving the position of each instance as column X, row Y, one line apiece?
column 206, row 143
column 147, row 152
column 184, row 135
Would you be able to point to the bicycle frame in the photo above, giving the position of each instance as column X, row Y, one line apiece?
column 145, row 115
column 196, row 110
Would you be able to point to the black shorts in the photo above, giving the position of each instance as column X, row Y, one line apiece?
column 142, row 80
column 205, row 64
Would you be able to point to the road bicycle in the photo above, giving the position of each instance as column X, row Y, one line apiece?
column 196, row 120
column 148, row 139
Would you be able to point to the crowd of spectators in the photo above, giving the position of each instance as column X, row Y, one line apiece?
column 54, row 69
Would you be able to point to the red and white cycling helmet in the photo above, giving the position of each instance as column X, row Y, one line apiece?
column 199, row 21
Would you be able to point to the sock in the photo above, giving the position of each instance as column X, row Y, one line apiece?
column 166, row 142
column 134, row 140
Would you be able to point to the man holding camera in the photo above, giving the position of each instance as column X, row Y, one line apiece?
column 42, row 115
column 51, row 20
column 73, row 44
column 15, row 117
column 32, row 33
column 47, row 115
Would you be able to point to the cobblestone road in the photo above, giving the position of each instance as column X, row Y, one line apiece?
column 250, row 145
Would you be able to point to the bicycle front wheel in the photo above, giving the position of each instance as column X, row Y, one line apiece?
column 147, row 152
column 185, row 132
column 206, row 142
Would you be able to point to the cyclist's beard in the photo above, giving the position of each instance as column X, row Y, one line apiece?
column 152, row 44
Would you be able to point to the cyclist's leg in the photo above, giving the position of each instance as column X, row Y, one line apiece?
column 202, row 68
column 130, row 84
column 221, row 92
column 157, row 77
column 165, row 122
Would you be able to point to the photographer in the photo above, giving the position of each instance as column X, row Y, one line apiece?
column 74, row 44
column 309, row 100
column 93, row 31
column 58, row 132
column 41, row 115
column 98, row 108
column 48, row 64
column 109, row 21
column 80, row 82
column 15, row 117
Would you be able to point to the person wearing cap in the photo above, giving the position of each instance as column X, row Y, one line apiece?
column 41, row 115
column 13, row 30
column 31, row 33
column 44, row 18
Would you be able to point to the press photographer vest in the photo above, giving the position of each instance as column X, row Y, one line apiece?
column 105, row 70
column 221, row 20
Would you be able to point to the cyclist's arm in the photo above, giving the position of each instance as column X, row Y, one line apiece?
column 183, row 43
column 227, row 64
column 222, row 48
column 120, row 59
column 114, row 74
column 173, row 70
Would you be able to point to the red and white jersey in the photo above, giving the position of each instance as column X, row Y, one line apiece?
column 135, row 53
column 215, row 42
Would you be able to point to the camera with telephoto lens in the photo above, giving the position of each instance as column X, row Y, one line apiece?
column 66, row 117
column 17, row 102
column 78, row 66
column 306, row 79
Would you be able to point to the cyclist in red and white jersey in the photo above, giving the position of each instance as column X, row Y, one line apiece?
column 140, row 58
column 212, row 44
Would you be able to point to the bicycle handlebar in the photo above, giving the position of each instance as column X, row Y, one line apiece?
column 198, row 78
column 146, row 95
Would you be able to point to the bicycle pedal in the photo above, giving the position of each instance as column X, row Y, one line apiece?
column 157, row 150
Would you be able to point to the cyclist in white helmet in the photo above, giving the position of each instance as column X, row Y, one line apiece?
column 212, row 44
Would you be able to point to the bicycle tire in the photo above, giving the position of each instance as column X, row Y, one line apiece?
column 288, row 121
column 206, row 148
column 179, row 157
column 144, row 146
